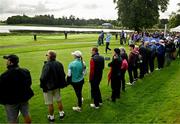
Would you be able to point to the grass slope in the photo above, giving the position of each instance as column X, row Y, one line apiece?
column 155, row 99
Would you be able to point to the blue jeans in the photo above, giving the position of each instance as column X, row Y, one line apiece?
column 13, row 111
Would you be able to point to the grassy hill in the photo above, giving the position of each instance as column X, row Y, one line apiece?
column 155, row 99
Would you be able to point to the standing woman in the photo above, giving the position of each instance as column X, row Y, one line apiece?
column 124, row 67
column 115, row 74
column 76, row 71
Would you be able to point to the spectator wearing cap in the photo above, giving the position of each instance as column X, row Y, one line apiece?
column 160, row 48
column 96, row 72
column 51, row 80
column 76, row 72
column 115, row 74
column 152, row 54
column 15, row 90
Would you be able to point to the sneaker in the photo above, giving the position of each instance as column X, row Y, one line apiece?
column 78, row 109
column 61, row 114
column 129, row 83
column 157, row 69
column 51, row 118
column 93, row 106
column 135, row 79
column 133, row 82
column 100, row 103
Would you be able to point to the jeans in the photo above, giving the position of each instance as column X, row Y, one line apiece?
column 13, row 111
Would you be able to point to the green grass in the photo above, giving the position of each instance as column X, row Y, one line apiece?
column 155, row 99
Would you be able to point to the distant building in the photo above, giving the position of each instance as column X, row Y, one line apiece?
column 107, row 25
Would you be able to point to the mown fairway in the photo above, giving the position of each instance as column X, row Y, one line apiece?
column 155, row 99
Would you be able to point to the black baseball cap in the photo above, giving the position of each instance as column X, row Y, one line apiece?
column 117, row 51
column 13, row 58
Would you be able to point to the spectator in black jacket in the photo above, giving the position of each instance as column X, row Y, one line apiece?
column 168, row 52
column 115, row 73
column 143, row 65
column 51, row 80
column 15, row 90
column 96, row 72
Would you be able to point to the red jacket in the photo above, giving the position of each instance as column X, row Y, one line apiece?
column 96, row 68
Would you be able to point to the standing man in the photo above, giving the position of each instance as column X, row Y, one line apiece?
column 15, row 90
column 65, row 34
column 51, row 80
column 143, row 53
column 160, row 49
column 122, row 37
column 108, row 38
column 102, row 37
column 96, row 72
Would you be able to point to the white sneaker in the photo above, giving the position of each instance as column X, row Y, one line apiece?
column 93, row 106
column 157, row 69
column 51, row 118
column 129, row 83
column 135, row 79
column 133, row 82
column 78, row 109
column 61, row 114
column 100, row 104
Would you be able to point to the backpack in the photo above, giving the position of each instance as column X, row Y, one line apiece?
column 124, row 65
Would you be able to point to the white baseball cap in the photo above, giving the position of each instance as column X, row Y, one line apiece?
column 153, row 41
column 77, row 53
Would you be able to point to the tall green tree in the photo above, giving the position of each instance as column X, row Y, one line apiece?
column 138, row 14
column 174, row 19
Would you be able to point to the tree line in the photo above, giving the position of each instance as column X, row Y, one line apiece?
column 132, row 14
column 51, row 20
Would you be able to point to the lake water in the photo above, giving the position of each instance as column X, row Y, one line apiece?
column 8, row 29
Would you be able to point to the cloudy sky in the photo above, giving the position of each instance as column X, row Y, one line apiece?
column 104, row 9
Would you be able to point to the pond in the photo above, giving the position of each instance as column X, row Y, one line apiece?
column 9, row 28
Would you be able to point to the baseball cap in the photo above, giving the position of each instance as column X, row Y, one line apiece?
column 13, row 58
column 117, row 51
column 153, row 41
column 77, row 53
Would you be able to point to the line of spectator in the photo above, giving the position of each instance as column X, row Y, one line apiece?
column 15, row 83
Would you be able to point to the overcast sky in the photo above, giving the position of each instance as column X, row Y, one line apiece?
column 104, row 9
